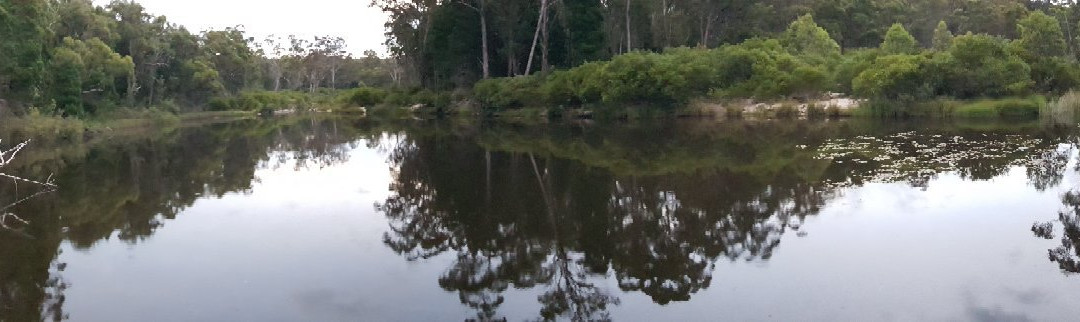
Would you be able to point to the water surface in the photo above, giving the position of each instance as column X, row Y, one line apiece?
column 336, row 219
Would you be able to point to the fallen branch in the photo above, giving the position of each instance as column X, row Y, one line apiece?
column 7, row 155
column 47, row 183
column 47, row 186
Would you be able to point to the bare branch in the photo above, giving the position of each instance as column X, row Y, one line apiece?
column 47, row 186
column 7, row 155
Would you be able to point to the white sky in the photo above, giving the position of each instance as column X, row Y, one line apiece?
column 360, row 25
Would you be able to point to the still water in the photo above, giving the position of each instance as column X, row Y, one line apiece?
column 334, row 219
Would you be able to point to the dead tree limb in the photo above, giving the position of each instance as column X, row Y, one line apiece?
column 44, row 187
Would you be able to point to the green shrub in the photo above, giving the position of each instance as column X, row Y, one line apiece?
column 1054, row 75
column 262, row 100
column 363, row 96
column 894, row 77
column 561, row 88
column 770, row 70
column 853, row 64
column 508, row 93
column 631, row 78
column 899, row 41
column 398, row 98
column 981, row 65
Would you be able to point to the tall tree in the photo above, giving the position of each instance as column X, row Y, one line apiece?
column 1041, row 36
column 942, row 37
column 899, row 41
column 24, row 34
column 805, row 38
column 480, row 7
column 233, row 56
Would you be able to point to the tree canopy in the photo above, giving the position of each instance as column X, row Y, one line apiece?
column 72, row 58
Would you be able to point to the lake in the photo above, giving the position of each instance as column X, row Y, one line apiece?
column 338, row 219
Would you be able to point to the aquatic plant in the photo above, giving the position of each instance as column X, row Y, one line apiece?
column 1064, row 109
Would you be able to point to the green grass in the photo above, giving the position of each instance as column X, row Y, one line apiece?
column 1022, row 108
column 1003, row 108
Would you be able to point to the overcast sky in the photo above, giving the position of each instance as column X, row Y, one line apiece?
column 361, row 26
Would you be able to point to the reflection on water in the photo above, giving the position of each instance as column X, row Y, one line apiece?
column 568, row 221
column 130, row 187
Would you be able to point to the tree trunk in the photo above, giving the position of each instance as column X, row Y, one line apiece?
column 133, row 81
column 628, row 46
column 545, row 64
column 484, row 41
column 131, row 89
column 536, row 35
column 665, row 25
column 706, row 30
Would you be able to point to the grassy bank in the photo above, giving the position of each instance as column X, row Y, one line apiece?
column 1005, row 108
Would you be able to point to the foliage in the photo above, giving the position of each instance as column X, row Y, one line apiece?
column 587, row 52
column 73, row 58
column 1055, row 75
column 898, row 77
column 263, row 100
column 507, row 93
column 1041, row 36
column 66, row 70
column 943, row 38
column 364, row 96
column 756, row 68
column 899, row 41
column 853, row 64
column 805, row 38
column 982, row 65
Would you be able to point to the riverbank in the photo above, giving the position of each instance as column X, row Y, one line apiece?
column 1061, row 109
column 52, row 129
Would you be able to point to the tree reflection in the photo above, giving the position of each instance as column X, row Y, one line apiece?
column 654, row 207
column 556, row 211
column 1067, row 255
column 129, row 187
column 561, row 225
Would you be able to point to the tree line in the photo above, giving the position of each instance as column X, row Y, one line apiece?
column 72, row 58
column 454, row 43
column 805, row 61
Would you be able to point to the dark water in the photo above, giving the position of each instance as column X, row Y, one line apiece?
column 342, row 220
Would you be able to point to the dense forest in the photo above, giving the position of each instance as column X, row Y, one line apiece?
column 663, row 51
column 456, row 42
column 72, row 58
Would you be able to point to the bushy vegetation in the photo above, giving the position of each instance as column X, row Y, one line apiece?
column 85, row 59
column 398, row 101
column 363, row 97
column 1009, row 108
column 263, row 100
column 1065, row 110
column 805, row 62
column 797, row 65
